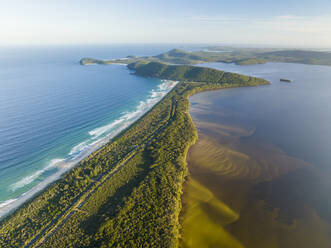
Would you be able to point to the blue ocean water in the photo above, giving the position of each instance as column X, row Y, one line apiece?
column 53, row 111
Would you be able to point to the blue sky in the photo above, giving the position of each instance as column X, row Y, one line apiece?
column 274, row 23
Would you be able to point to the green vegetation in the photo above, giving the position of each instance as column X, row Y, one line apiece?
column 239, row 56
column 246, row 56
column 299, row 56
column 91, row 61
column 188, row 73
column 177, row 56
column 127, row 194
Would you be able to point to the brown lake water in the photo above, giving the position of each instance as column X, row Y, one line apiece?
column 260, row 173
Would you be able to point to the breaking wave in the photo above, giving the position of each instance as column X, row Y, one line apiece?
column 29, row 179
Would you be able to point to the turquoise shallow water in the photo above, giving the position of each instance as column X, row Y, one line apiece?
column 53, row 111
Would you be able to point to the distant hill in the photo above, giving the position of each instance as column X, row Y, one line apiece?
column 178, row 56
column 247, row 56
column 239, row 56
column 299, row 56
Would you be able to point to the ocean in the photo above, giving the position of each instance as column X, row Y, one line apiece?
column 54, row 112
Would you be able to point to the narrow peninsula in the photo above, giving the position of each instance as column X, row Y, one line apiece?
column 128, row 193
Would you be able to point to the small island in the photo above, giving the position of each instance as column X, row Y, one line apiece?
column 286, row 80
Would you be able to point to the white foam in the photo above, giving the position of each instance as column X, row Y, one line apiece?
column 78, row 148
column 143, row 107
column 26, row 180
column 29, row 179
column 101, row 130
column 5, row 203
column 55, row 162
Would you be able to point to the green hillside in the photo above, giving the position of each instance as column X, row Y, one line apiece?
column 192, row 74
column 239, row 56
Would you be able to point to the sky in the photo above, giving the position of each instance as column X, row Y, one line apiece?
column 288, row 23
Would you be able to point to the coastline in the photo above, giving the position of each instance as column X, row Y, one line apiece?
column 65, row 165
column 171, row 117
column 148, row 162
column 226, row 194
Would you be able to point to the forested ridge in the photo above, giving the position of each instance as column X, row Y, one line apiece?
column 239, row 56
column 188, row 73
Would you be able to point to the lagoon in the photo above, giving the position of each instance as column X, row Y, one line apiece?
column 260, row 171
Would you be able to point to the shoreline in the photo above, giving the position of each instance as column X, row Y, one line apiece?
column 9, row 206
column 157, row 171
column 170, row 132
column 226, row 182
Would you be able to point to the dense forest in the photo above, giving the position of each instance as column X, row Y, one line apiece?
column 187, row 73
column 126, row 194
